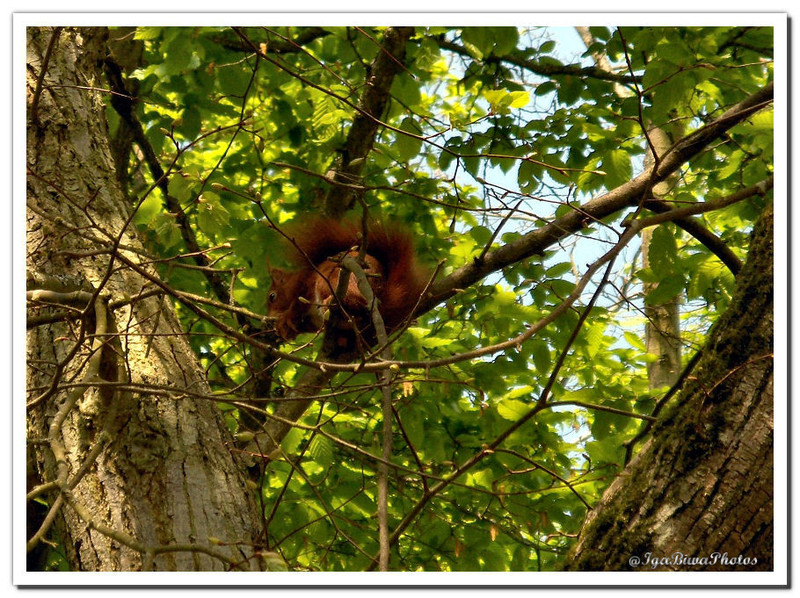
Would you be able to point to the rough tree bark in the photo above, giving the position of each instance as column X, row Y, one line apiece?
column 125, row 443
column 703, row 483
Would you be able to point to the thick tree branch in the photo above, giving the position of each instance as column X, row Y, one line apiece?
column 361, row 136
column 627, row 195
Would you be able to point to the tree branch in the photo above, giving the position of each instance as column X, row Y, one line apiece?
column 538, row 68
column 701, row 233
column 626, row 195
column 361, row 136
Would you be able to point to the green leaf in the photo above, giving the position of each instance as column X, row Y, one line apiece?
column 482, row 478
column 663, row 252
column 634, row 340
column 528, row 175
column 541, row 357
column 181, row 187
column 147, row 33
column 292, row 440
column 321, row 450
column 481, row 234
column 618, row 168
column 667, row 289
column 656, row 73
column 570, row 89
column 733, row 164
column 192, row 122
column 604, row 452
column 594, row 338
column 547, row 46
column 505, row 40
column 499, row 100
column 542, row 89
column 408, row 146
column 704, row 277
column 558, row 270
column 232, row 80
column 212, row 217
column 519, row 99
column 179, row 55
column 483, row 41
column 647, row 275
column 512, row 409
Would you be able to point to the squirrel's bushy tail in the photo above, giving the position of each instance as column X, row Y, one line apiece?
column 314, row 241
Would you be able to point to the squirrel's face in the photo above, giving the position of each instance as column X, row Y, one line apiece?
column 278, row 299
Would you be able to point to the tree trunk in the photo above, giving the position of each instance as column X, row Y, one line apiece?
column 702, row 486
column 128, row 448
column 662, row 332
column 662, row 329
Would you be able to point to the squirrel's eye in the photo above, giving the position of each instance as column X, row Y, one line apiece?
column 271, row 297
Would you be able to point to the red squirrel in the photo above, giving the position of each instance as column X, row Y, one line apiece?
column 300, row 295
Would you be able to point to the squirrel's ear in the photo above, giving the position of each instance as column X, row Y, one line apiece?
column 274, row 272
column 277, row 275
